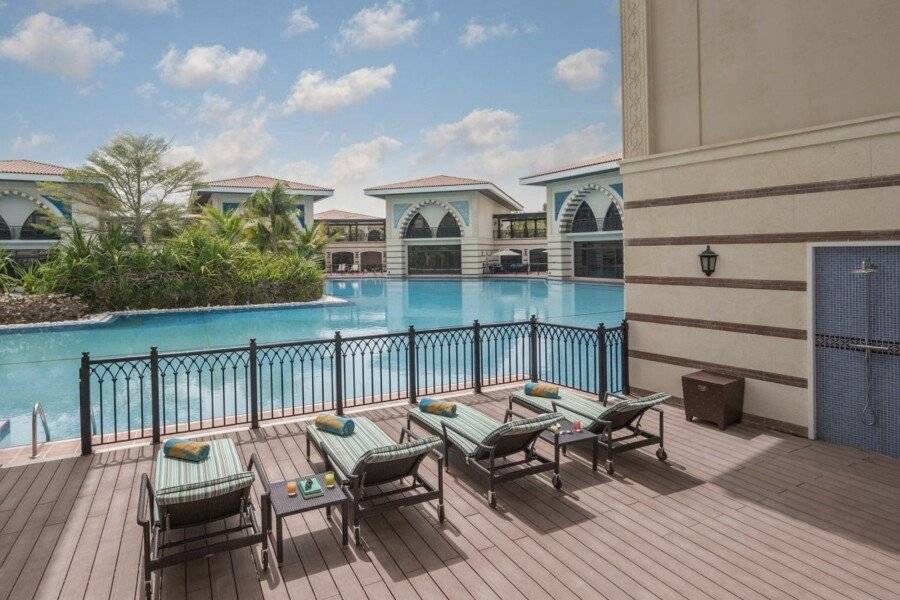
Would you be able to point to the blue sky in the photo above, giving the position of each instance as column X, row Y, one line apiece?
column 337, row 93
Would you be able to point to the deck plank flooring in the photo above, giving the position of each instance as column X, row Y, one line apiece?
column 744, row 514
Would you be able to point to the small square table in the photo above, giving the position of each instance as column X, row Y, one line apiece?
column 565, row 436
column 284, row 506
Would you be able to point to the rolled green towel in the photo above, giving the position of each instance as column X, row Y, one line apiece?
column 341, row 426
column 438, row 407
column 542, row 390
column 186, row 449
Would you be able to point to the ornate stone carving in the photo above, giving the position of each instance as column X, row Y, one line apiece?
column 635, row 79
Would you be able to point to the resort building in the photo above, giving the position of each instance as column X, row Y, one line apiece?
column 441, row 225
column 228, row 194
column 583, row 224
column 360, row 244
column 767, row 133
column 23, row 206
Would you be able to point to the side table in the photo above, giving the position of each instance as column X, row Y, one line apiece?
column 284, row 505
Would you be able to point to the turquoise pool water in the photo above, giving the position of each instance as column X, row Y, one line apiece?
column 42, row 365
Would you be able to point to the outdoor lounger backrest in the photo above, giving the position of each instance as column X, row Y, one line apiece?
column 393, row 462
column 626, row 410
column 515, row 436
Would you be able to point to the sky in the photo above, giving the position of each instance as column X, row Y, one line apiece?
column 332, row 92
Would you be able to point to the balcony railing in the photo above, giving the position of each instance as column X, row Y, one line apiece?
column 156, row 394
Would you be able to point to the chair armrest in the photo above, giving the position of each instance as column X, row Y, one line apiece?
column 254, row 463
column 144, row 498
column 510, row 412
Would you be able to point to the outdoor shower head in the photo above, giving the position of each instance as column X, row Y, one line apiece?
column 866, row 268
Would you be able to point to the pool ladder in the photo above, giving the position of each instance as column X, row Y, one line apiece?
column 38, row 410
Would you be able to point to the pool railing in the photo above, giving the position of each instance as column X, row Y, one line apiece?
column 164, row 393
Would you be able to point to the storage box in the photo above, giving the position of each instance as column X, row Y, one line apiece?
column 713, row 397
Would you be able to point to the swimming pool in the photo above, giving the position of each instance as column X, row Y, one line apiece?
column 42, row 365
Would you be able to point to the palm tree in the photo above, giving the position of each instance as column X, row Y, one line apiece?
column 229, row 226
column 310, row 241
column 271, row 217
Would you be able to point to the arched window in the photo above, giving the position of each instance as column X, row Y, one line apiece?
column 37, row 227
column 584, row 219
column 5, row 233
column 418, row 228
column 448, row 227
column 613, row 220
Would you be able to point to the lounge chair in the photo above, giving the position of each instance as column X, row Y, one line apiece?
column 186, row 494
column 482, row 439
column 604, row 418
column 369, row 457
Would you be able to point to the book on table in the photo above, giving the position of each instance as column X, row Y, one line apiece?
column 310, row 488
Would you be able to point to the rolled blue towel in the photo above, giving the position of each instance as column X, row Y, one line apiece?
column 186, row 449
column 341, row 426
column 542, row 390
column 438, row 407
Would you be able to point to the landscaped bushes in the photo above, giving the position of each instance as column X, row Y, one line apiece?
column 194, row 268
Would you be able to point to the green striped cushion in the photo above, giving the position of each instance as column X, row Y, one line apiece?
column 520, row 426
column 621, row 403
column 178, row 481
column 368, row 444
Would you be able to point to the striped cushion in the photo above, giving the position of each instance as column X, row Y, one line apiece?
column 480, row 426
column 621, row 403
column 368, row 444
column 178, row 481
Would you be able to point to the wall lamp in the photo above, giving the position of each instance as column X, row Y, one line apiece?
column 708, row 260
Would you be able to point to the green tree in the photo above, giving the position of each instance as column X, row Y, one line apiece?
column 128, row 183
column 229, row 226
column 271, row 217
column 311, row 241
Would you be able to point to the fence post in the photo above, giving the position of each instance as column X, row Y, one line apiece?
column 84, row 402
column 476, row 355
column 338, row 375
column 154, row 391
column 533, row 347
column 411, row 366
column 626, row 385
column 254, row 400
column 602, row 382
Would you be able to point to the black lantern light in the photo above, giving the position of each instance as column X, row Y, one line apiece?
column 708, row 261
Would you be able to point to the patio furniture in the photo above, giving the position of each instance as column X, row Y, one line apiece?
column 284, row 505
column 188, row 494
column 566, row 436
column 369, row 457
column 713, row 397
column 604, row 419
column 482, row 439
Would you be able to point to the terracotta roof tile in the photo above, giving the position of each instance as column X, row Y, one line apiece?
column 434, row 181
column 343, row 215
column 30, row 167
column 589, row 162
column 263, row 182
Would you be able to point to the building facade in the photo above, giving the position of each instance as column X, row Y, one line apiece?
column 584, row 218
column 769, row 132
column 229, row 194
column 359, row 245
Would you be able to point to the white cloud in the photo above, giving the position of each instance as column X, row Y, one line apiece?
column 153, row 6
column 355, row 162
column 480, row 128
column 223, row 113
column 50, row 44
column 314, row 93
column 235, row 151
column 583, row 69
column 299, row 22
column 477, row 33
column 203, row 65
column 146, row 90
column 377, row 27
column 35, row 140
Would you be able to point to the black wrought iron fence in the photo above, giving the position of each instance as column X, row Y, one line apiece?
column 157, row 394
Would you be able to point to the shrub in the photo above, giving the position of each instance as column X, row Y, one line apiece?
column 194, row 268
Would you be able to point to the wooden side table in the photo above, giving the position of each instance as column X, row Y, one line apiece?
column 284, row 505
column 565, row 436
column 713, row 397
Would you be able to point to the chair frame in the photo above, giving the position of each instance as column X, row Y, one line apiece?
column 611, row 444
column 496, row 473
column 154, row 538
column 375, row 474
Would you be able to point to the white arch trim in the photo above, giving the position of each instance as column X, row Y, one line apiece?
column 41, row 202
column 572, row 202
column 413, row 210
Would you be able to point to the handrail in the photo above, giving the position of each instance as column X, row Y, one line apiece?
column 38, row 410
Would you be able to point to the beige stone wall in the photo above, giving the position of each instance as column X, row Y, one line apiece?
column 723, row 70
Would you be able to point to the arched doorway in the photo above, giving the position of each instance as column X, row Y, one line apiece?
column 613, row 220
column 37, row 227
column 341, row 262
column 418, row 228
column 371, row 261
column 448, row 227
column 584, row 220
column 5, row 231
column 537, row 260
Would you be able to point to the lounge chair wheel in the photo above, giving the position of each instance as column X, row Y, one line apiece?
column 492, row 499
column 557, row 482
column 265, row 559
column 441, row 513
column 148, row 590
column 610, row 470
column 661, row 454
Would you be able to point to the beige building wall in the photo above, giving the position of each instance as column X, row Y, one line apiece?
column 759, row 128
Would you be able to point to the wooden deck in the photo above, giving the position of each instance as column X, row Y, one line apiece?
column 745, row 513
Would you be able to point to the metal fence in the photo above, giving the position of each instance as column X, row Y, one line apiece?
column 157, row 394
